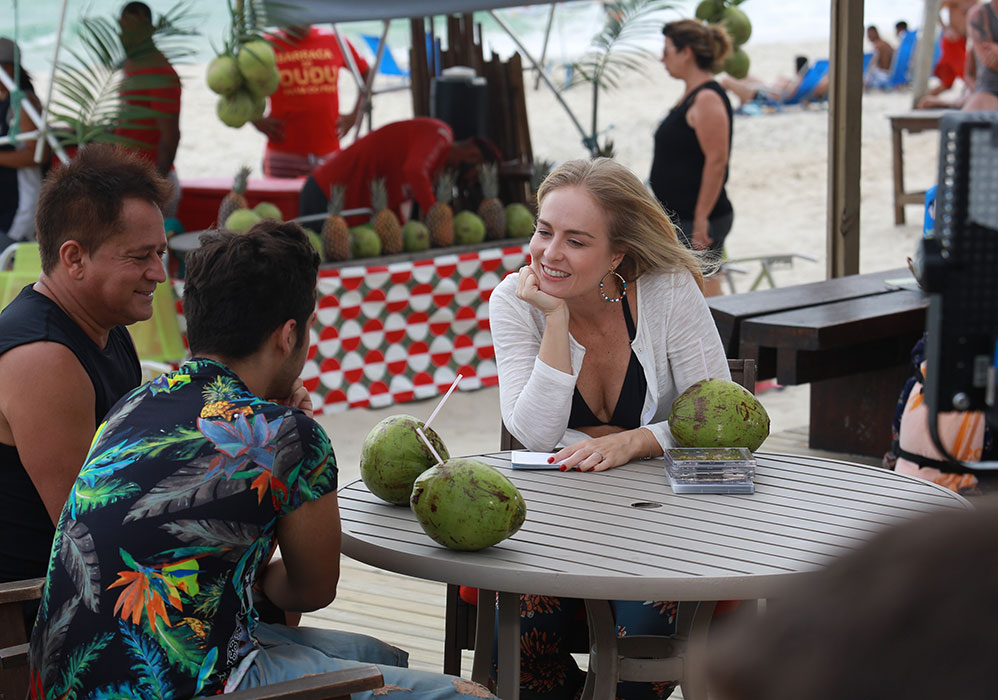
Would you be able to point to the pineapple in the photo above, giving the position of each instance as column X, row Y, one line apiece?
column 335, row 232
column 440, row 219
column 236, row 199
column 491, row 210
column 384, row 222
column 217, row 400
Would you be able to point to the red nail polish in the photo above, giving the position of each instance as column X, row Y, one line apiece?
column 550, row 460
column 562, row 468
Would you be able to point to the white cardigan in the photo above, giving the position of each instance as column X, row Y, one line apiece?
column 536, row 399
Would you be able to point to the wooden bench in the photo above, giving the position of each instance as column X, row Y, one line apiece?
column 912, row 122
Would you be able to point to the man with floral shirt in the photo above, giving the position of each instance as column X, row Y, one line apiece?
column 190, row 483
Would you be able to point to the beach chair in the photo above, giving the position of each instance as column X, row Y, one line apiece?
column 901, row 64
column 158, row 339
column 388, row 65
column 459, row 618
column 805, row 88
column 26, row 265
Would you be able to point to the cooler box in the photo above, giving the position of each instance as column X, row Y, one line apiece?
column 201, row 197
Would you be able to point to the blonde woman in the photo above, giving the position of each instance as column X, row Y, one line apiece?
column 594, row 340
column 693, row 143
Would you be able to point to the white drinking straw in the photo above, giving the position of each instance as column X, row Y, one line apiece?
column 436, row 410
column 703, row 357
column 432, row 451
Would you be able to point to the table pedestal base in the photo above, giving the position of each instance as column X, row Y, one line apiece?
column 508, row 681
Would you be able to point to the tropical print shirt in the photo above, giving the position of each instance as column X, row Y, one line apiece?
column 149, row 588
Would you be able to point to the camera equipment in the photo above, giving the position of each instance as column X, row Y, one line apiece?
column 960, row 270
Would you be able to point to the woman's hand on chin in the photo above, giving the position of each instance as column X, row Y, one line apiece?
column 528, row 288
column 606, row 452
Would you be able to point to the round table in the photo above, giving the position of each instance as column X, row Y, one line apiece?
column 623, row 534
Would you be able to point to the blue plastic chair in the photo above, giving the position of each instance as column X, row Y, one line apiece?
column 388, row 64
column 805, row 88
column 902, row 60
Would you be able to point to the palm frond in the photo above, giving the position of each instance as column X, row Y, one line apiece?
column 89, row 103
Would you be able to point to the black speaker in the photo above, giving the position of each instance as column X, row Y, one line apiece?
column 461, row 100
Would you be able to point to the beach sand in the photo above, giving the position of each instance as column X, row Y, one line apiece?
column 777, row 184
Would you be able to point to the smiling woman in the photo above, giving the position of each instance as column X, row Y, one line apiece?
column 594, row 340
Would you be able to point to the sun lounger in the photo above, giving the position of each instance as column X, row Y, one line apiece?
column 804, row 92
column 388, row 65
column 902, row 61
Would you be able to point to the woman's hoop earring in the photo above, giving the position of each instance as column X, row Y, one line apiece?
column 623, row 286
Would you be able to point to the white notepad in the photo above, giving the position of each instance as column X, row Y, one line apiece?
column 524, row 459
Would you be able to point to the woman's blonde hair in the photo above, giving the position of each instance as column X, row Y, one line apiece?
column 638, row 226
column 710, row 43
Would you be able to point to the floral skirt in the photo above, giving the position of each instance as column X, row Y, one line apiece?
column 551, row 629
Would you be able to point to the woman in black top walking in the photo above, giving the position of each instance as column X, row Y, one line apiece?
column 693, row 143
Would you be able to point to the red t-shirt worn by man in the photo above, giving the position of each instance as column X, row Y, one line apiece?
column 308, row 98
column 408, row 154
column 164, row 98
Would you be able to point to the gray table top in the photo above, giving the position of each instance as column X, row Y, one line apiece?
column 587, row 536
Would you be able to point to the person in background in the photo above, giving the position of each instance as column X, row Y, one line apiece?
column 20, row 175
column 910, row 614
column 952, row 44
column 879, row 70
column 751, row 89
column 594, row 340
column 982, row 22
column 900, row 28
column 65, row 356
column 154, row 138
column 693, row 143
column 409, row 154
column 190, row 484
column 304, row 125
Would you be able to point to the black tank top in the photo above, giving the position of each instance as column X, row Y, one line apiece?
column 677, row 165
column 627, row 412
column 25, row 529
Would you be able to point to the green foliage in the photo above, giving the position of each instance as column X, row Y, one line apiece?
column 103, row 492
column 250, row 19
column 616, row 50
column 74, row 668
column 87, row 105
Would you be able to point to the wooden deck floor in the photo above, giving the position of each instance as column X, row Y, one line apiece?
column 409, row 612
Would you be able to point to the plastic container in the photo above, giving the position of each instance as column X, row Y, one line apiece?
column 461, row 99
column 710, row 469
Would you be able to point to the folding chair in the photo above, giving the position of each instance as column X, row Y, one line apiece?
column 388, row 65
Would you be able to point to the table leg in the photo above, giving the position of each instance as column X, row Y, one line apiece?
column 694, row 682
column 508, row 686
column 898, row 175
column 485, row 626
column 601, row 680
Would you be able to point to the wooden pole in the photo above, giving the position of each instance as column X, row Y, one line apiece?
column 924, row 50
column 845, row 111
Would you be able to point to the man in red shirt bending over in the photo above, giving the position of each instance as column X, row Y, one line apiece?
column 408, row 154
column 304, row 124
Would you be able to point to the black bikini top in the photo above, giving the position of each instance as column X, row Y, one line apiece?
column 627, row 412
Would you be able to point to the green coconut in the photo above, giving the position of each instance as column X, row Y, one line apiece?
column 709, row 10
column 256, row 61
column 718, row 413
column 415, row 236
column 466, row 504
column 223, row 76
column 236, row 109
column 737, row 23
column 468, row 228
column 316, row 241
column 269, row 210
column 364, row 242
column 393, row 456
column 737, row 64
column 519, row 221
column 266, row 86
column 241, row 220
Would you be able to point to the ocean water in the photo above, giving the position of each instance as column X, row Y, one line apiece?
column 574, row 24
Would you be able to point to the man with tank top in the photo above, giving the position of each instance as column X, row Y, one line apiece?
column 982, row 25
column 65, row 356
